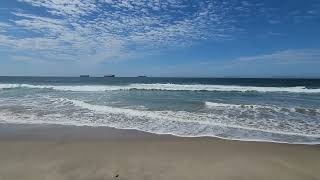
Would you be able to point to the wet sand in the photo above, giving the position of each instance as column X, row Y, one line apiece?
column 32, row 152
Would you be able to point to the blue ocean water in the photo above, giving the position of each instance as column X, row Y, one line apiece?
column 276, row 110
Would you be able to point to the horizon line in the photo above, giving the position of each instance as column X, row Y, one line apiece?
column 145, row 76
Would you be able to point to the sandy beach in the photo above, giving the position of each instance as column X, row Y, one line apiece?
column 68, row 152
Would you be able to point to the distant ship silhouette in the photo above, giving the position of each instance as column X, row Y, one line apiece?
column 84, row 76
column 110, row 75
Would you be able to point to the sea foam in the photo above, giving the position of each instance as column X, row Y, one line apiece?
column 185, row 117
column 164, row 87
column 179, row 123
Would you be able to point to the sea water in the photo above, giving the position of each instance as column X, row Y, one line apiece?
column 275, row 110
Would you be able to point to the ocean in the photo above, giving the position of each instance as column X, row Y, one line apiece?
column 273, row 110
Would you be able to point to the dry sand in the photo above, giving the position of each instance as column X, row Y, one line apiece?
column 32, row 152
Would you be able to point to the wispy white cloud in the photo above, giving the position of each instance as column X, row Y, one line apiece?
column 65, row 7
column 99, row 30
column 286, row 57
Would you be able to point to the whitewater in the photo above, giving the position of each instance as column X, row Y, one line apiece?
column 165, row 87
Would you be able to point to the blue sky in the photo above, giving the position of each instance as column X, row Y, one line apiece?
column 202, row 38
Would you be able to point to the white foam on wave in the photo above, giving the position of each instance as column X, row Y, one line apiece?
column 164, row 87
column 214, row 105
column 227, row 88
column 79, row 88
column 300, row 110
column 9, row 86
column 179, row 123
column 179, row 116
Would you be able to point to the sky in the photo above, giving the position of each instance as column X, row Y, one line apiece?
column 172, row 38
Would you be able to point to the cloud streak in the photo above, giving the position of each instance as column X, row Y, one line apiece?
column 286, row 57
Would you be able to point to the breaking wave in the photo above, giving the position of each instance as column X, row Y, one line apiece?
column 227, row 122
column 164, row 87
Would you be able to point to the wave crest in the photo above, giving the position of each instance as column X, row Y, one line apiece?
column 164, row 87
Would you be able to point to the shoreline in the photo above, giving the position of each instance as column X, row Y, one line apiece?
column 71, row 152
column 119, row 132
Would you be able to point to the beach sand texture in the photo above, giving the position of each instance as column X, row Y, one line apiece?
column 63, row 152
